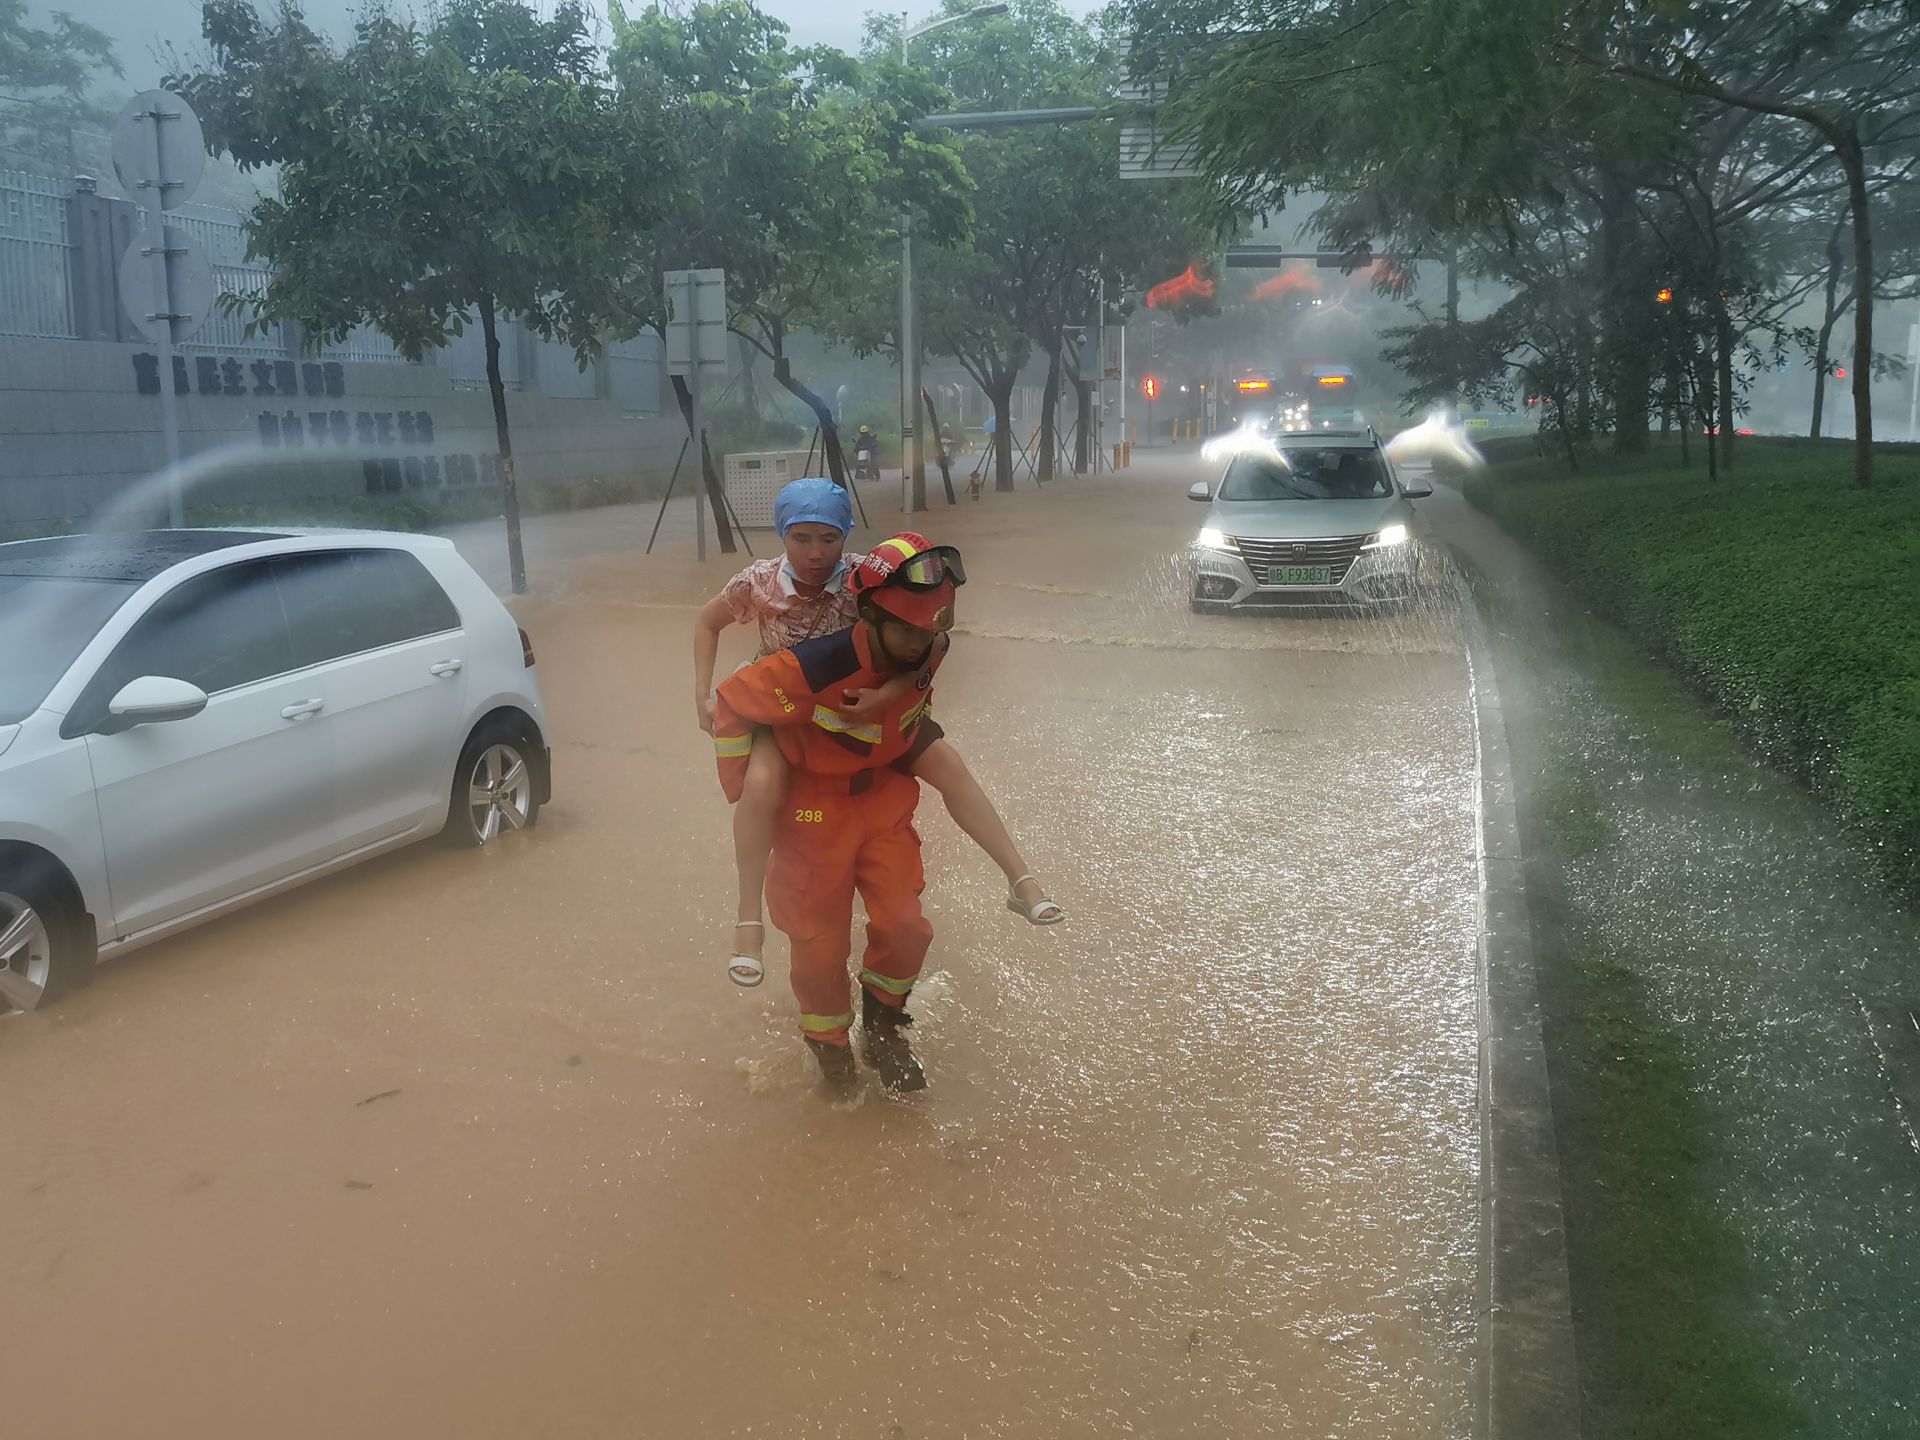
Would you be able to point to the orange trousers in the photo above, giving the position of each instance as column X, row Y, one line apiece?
column 827, row 845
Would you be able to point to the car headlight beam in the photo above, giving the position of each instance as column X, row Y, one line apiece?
column 1212, row 539
column 1388, row 535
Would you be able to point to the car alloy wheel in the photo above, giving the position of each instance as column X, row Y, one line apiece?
column 26, row 953
column 499, row 792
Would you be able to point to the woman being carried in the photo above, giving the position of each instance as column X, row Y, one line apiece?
column 797, row 598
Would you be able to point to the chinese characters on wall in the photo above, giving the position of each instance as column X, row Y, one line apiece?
column 292, row 429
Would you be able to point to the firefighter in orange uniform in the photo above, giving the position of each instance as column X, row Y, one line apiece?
column 848, row 820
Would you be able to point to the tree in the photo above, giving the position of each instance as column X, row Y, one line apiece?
column 479, row 167
column 1844, row 69
column 803, row 160
column 1411, row 113
column 45, row 77
column 1052, row 217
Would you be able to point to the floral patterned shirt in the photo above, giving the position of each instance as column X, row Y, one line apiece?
column 764, row 595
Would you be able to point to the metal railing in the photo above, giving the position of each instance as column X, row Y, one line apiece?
column 34, row 295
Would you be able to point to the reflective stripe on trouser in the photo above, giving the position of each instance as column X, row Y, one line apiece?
column 828, row 845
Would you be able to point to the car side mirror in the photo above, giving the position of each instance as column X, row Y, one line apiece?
column 1419, row 490
column 152, row 700
column 1200, row 491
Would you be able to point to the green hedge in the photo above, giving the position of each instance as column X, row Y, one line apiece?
column 1791, row 597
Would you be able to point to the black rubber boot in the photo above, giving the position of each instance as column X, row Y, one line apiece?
column 883, row 1045
column 836, row 1066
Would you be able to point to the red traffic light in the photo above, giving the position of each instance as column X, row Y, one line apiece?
column 1840, row 372
column 1150, row 386
column 1664, row 295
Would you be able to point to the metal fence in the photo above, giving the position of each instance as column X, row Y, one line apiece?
column 34, row 298
column 222, row 234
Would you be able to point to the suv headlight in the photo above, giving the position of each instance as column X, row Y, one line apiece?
column 1389, row 535
column 1212, row 539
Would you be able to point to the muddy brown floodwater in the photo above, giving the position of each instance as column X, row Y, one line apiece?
column 486, row 1145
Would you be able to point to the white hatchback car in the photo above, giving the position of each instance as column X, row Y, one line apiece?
column 191, row 720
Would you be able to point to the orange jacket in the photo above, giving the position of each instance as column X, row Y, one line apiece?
column 799, row 692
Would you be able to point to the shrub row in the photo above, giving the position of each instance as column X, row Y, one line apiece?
column 1789, row 596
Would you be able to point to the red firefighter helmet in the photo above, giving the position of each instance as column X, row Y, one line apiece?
column 912, row 579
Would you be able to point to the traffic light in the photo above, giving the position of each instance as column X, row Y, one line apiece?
column 1840, row 372
column 1150, row 387
column 1664, row 295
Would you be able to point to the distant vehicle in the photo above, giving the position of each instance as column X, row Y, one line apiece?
column 1331, row 402
column 866, row 456
column 1316, row 519
column 192, row 720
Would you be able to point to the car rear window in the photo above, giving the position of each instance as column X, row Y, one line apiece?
column 45, row 622
column 346, row 602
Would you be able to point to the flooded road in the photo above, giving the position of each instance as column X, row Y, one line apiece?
column 486, row 1144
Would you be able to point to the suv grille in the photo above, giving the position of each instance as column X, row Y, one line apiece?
column 1338, row 553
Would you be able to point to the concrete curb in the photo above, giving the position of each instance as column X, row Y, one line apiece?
column 1527, row 1385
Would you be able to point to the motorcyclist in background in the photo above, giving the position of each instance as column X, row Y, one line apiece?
column 866, row 455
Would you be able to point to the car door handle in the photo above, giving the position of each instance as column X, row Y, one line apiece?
column 301, row 709
column 444, row 668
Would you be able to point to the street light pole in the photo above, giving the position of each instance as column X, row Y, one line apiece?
column 913, row 456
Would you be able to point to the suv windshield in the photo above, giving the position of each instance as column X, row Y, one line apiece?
column 1308, row 473
column 45, row 621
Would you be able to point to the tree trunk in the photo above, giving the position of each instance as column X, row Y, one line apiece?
column 1559, row 404
column 829, row 433
column 940, row 451
column 1049, row 417
column 1001, row 396
column 1854, row 162
column 510, row 490
column 1453, row 342
column 1082, row 426
column 1624, row 349
column 1723, row 352
column 716, row 493
column 1704, row 391
column 749, row 381
column 1829, row 317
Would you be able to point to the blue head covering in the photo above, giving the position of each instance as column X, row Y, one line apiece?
column 813, row 501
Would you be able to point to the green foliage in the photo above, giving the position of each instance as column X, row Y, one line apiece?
column 1580, row 155
column 800, row 161
column 1787, row 598
column 429, row 174
column 45, row 78
column 1051, row 217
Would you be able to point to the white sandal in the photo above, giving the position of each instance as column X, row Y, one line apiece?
column 747, row 970
column 1041, row 912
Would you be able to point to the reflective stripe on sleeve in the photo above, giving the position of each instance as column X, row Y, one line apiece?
column 832, row 720
column 732, row 747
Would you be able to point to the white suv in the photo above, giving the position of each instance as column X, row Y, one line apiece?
column 191, row 720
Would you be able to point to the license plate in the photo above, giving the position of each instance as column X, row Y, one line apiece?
column 1300, row 575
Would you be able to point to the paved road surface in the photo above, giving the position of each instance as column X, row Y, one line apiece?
column 478, row 1145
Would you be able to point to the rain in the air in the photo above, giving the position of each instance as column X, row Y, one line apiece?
column 1041, row 720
